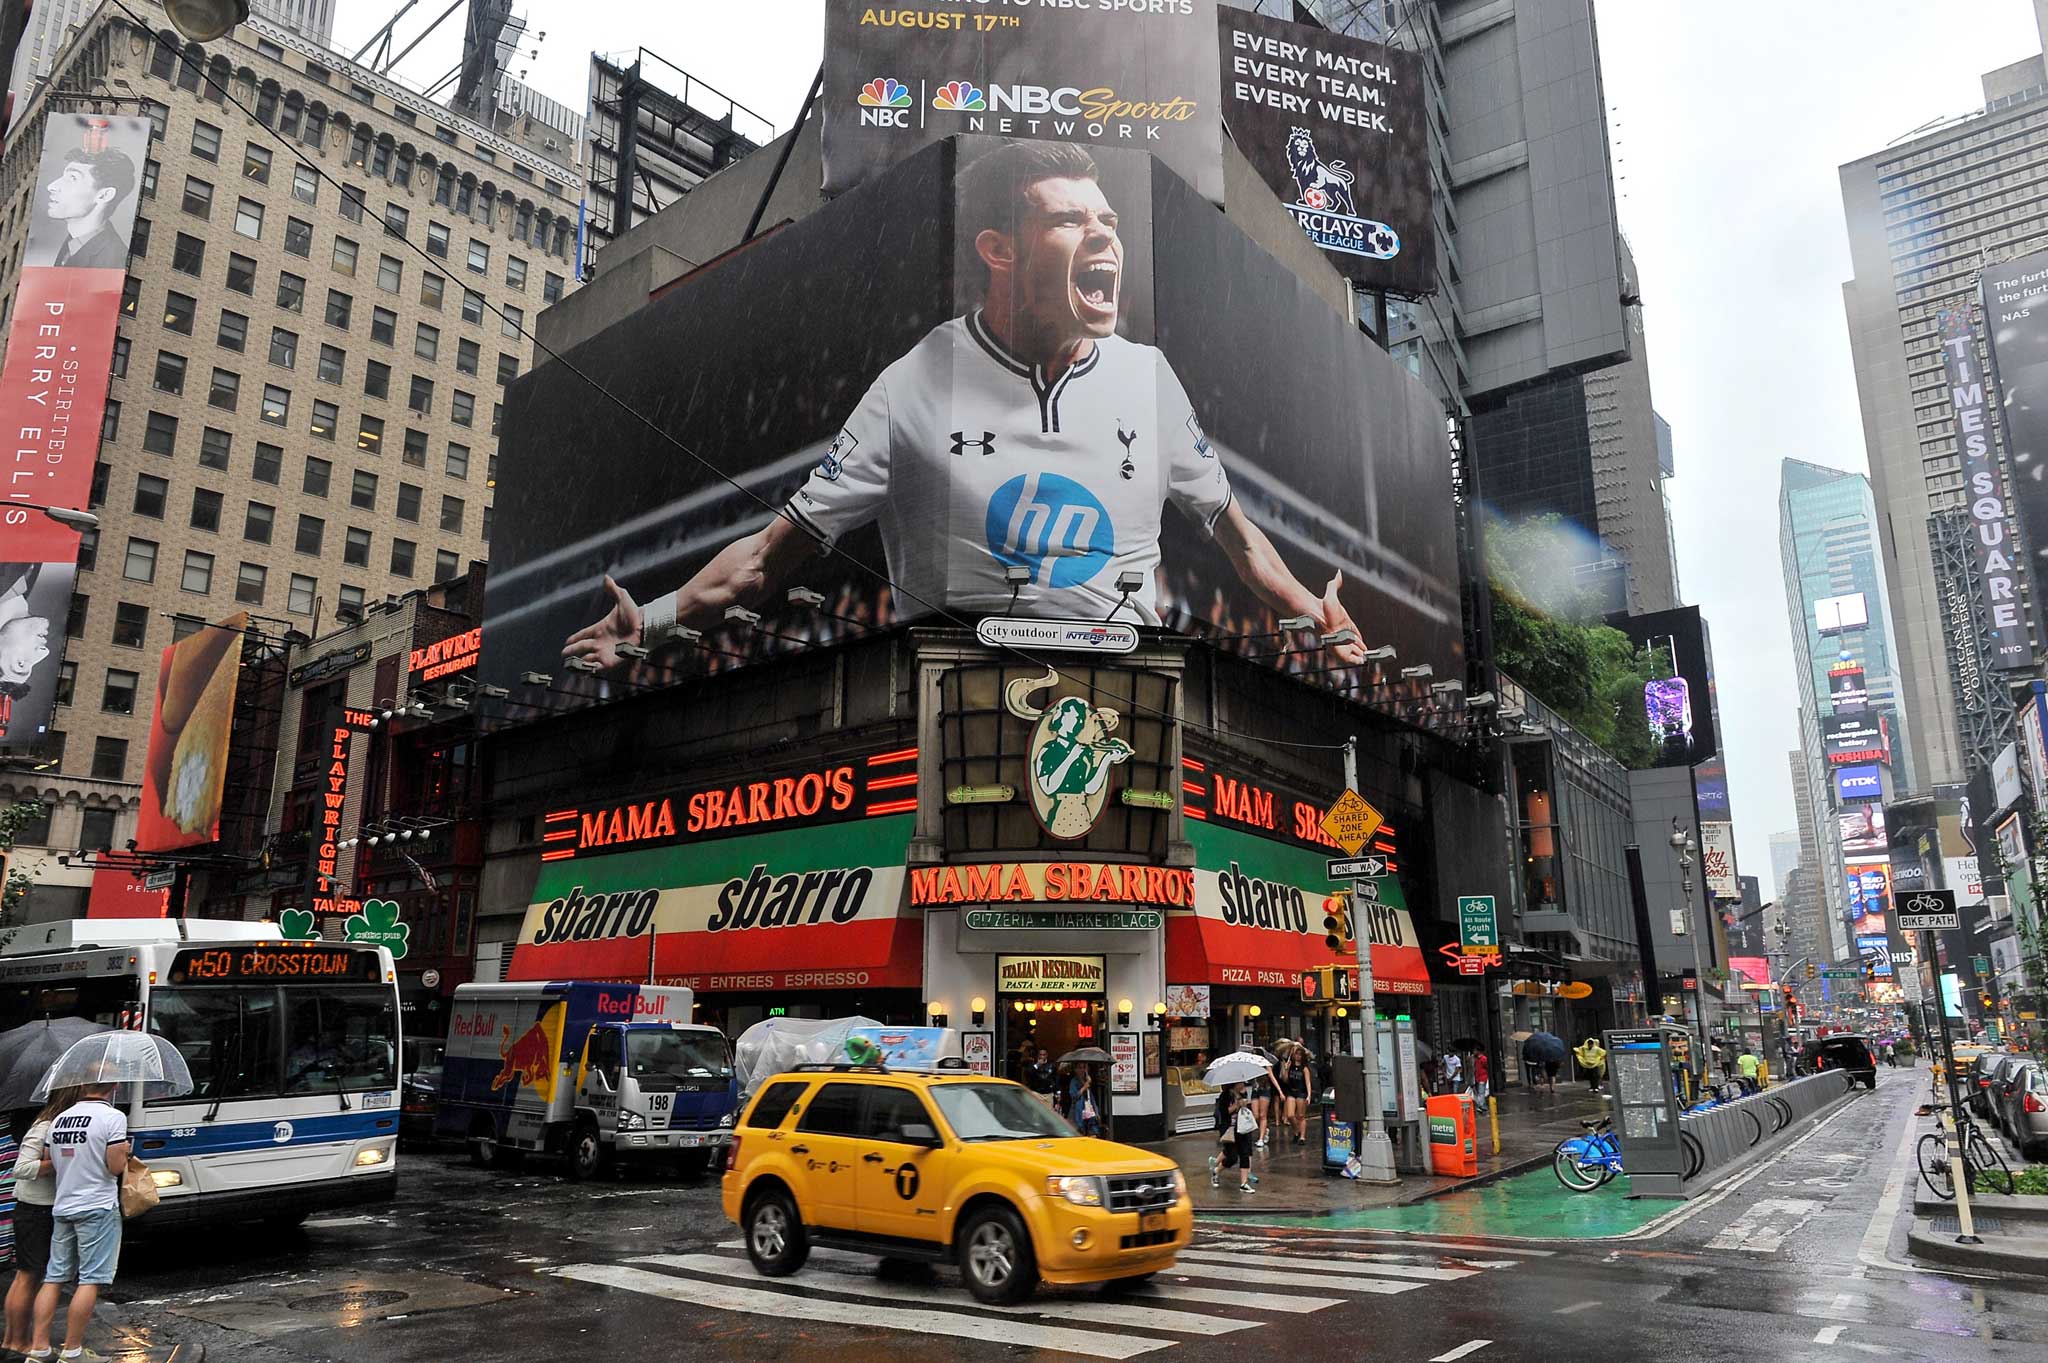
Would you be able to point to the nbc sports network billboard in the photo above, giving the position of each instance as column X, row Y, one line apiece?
column 53, row 392
column 1135, row 74
column 188, row 738
column 1338, row 128
column 1002, row 379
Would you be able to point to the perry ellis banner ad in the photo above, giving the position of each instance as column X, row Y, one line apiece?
column 2015, row 299
column 1337, row 128
column 53, row 392
column 1116, row 73
column 1991, row 537
column 1056, row 385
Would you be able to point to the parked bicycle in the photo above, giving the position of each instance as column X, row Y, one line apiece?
column 1583, row 1163
column 1938, row 1170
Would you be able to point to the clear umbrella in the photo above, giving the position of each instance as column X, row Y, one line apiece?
column 120, row 1058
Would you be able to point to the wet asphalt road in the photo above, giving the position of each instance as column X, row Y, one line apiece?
column 1791, row 1264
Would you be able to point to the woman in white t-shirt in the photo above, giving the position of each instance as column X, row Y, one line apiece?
column 34, row 1190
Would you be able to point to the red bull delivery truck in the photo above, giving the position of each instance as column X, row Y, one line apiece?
column 589, row 1072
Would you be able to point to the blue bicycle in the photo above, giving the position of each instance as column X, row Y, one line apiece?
column 1583, row 1163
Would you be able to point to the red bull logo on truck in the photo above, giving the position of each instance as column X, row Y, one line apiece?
column 530, row 1058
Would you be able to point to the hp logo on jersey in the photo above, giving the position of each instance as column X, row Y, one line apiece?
column 1051, row 525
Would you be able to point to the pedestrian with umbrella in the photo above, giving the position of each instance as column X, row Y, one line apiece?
column 1237, row 1125
column 34, row 1191
column 28, row 1051
column 87, row 1151
column 1543, row 1053
column 1082, row 1109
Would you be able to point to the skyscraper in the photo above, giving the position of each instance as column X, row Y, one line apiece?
column 51, row 21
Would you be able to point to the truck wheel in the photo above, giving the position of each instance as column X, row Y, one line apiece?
column 776, row 1241
column 587, row 1155
column 484, row 1150
column 693, row 1163
column 996, row 1260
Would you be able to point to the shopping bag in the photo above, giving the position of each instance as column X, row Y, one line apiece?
column 138, row 1189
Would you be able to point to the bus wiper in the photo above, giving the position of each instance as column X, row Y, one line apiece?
column 340, row 1088
column 220, row 1078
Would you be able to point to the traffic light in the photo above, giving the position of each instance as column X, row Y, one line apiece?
column 1811, row 970
column 1337, row 934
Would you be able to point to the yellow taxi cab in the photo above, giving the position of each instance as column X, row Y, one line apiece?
column 946, row 1164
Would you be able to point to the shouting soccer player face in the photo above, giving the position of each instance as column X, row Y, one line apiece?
column 1069, row 261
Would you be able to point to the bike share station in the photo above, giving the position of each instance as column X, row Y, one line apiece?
column 1639, row 1073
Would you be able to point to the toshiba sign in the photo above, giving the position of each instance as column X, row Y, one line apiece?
column 457, row 653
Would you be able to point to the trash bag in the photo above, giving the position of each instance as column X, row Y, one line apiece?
column 777, row 1044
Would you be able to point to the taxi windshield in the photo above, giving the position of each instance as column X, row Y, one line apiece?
column 997, row 1112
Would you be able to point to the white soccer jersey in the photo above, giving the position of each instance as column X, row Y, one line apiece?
column 973, row 463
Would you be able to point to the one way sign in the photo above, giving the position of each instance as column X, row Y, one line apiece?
column 1928, row 911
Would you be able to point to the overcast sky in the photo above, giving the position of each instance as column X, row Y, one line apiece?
column 1728, row 126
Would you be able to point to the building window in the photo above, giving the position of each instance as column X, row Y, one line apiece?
column 326, row 419
column 551, row 289
column 284, row 347
column 467, row 353
column 131, row 624
column 160, row 435
column 431, row 288
column 390, row 273
column 426, row 342
column 355, row 548
column 140, row 565
column 451, row 514
column 300, row 594
column 298, row 237
column 333, row 359
column 415, row 448
column 131, row 293
column 472, row 307
column 242, row 274
column 339, row 308
column 122, row 347
column 408, row 502
column 118, row 697
column 249, row 579
column 225, row 391
column 508, row 368
column 67, row 683
column 269, row 463
column 277, row 404
column 291, row 292
column 363, row 490
column 513, row 321
column 205, row 509
column 152, row 172
column 377, row 379
column 344, row 256
column 234, row 332
column 205, row 141
column 319, row 475
column 458, row 460
column 370, row 435
column 214, row 447
column 402, row 554
column 462, row 408
column 446, row 565
column 437, row 239
column 138, row 241
column 421, row 398
column 515, row 272
column 311, row 529
column 179, row 310
column 150, row 492
column 198, row 576
column 184, row 626
column 348, row 603
column 305, row 184
column 170, row 372
column 352, row 202
column 479, row 257
column 109, row 758
column 257, row 523
column 249, row 219
column 383, row 325
column 256, row 163
column 396, row 220
column 198, row 199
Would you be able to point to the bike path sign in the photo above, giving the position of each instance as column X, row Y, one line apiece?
column 1928, row 911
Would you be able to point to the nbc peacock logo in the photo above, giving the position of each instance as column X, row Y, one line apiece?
column 961, row 95
column 884, row 92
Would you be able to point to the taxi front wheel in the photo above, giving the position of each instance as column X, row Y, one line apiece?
column 775, row 1234
column 996, row 1260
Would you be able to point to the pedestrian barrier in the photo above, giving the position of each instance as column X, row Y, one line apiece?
column 1720, row 1134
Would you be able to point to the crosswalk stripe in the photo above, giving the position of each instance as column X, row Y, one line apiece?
column 1376, row 1241
column 1223, row 1296
column 1312, row 1266
column 1135, row 1316
column 715, row 1296
column 1320, row 1282
column 1346, row 1264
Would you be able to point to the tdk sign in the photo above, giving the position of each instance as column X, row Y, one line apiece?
column 1860, row 783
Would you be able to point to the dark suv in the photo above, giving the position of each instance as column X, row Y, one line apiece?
column 1844, row 1051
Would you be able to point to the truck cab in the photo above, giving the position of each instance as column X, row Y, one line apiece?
column 650, row 1089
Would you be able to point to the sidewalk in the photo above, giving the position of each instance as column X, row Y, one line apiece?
column 2013, row 1232
column 1292, row 1180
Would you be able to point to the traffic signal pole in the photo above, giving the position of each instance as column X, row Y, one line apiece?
column 1375, row 1152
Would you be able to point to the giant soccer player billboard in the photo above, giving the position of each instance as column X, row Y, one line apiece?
column 1054, row 384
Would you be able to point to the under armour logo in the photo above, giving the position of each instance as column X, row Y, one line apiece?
column 987, row 443
column 1129, row 438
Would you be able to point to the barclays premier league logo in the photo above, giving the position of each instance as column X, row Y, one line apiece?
column 1070, row 756
column 1324, row 207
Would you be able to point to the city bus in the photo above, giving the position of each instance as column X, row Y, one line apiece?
column 294, row 1050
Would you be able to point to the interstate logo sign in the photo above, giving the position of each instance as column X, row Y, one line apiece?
column 1070, row 756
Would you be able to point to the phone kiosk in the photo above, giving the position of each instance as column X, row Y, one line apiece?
column 1639, row 1076
column 1343, row 1101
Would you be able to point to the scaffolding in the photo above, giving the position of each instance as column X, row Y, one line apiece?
column 1984, row 718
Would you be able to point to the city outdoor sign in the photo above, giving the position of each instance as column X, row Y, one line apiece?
column 1059, row 636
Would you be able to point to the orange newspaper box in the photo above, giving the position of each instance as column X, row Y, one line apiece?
column 1453, row 1135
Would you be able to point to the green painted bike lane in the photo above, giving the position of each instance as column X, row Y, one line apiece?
column 1531, row 1205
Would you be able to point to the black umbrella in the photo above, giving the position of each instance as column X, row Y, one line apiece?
column 1545, row 1047
column 28, row 1051
column 1094, row 1055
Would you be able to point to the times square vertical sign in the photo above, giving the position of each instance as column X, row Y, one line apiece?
column 53, row 392
column 1991, row 538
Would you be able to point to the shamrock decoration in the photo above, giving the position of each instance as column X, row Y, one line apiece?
column 378, row 925
column 297, row 925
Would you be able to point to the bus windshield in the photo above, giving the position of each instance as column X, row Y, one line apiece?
column 665, row 1060
column 252, row 1041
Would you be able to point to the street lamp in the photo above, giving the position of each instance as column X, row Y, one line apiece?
column 63, row 515
column 1682, row 843
column 204, row 20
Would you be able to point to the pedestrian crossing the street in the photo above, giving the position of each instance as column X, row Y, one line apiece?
column 1221, row 1286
